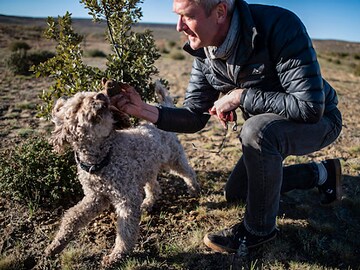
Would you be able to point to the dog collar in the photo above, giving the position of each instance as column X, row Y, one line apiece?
column 93, row 168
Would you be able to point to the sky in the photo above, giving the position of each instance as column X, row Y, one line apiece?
column 324, row 19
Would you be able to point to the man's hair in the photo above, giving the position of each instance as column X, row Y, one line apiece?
column 208, row 5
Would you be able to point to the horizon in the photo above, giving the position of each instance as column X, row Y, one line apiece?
column 324, row 20
column 159, row 23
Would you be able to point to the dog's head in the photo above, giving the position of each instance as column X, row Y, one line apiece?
column 85, row 117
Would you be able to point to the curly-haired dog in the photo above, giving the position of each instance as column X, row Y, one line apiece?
column 117, row 167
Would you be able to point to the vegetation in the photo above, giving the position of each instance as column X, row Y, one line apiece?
column 19, row 45
column 357, row 70
column 132, row 59
column 177, row 56
column 34, row 175
column 96, row 53
column 20, row 60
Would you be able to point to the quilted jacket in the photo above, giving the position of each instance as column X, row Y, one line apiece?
column 273, row 60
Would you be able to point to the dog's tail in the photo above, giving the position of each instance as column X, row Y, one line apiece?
column 162, row 94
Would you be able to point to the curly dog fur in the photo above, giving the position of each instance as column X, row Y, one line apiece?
column 115, row 167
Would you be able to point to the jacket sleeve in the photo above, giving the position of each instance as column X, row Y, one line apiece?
column 181, row 120
column 302, row 97
column 199, row 98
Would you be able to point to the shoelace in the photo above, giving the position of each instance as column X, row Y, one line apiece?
column 243, row 249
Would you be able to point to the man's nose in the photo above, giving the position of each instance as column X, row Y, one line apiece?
column 180, row 26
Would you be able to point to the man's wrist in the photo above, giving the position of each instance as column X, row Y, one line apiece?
column 149, row 113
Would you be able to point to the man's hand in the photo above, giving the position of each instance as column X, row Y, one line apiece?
column 225, row 105
column 129, row 101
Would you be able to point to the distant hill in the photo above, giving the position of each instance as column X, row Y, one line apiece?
column 87, row 26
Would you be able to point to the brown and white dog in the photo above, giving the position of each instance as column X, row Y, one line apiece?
column 115, row 166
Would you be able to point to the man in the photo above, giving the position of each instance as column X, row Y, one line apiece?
column 262, row 59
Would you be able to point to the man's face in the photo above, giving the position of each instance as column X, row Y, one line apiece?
column 200, row 29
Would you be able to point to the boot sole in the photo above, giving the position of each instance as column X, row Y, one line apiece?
column 338, row 180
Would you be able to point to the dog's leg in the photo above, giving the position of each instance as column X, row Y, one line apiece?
column 74, row 219
column 152, row 193
column 180, row 166
column 129, row 215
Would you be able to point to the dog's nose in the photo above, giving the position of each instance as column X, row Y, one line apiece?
column 101, row 96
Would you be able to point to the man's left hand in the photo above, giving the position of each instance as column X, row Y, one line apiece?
column 224, row 105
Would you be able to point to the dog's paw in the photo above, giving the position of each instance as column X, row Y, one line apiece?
column 50, row 251
column 147, row 205
column 108, row 261
column 194, row 191
column 54, row 248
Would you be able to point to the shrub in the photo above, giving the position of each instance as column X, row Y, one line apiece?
column 19, row 45
column 172, row 43
column 33, row 174
column 96, row 53
column 164, row 51
column 17, row 63
column 357, row 70
column 132, row 60
column 20, row 61
column 178, row 56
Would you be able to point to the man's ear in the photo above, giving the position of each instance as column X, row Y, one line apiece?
column 221, row 12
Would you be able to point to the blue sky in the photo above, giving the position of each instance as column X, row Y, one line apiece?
column 324, row 19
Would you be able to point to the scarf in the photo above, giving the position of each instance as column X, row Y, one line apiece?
column 224, row 51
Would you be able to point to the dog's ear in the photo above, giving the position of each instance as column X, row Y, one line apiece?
column 58, row 139
column 58, row 136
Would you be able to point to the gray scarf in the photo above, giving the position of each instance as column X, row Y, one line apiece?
column 224, row 51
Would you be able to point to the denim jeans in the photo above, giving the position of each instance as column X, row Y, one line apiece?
column 259, row 176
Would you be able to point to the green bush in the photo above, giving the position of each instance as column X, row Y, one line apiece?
column 131, row 61
column 21, row 61
column 172, row 44
column 178, row 56
column 18, row 63
column 19, row 45
column 357, row 70
column 33, row 174
column 95, row 53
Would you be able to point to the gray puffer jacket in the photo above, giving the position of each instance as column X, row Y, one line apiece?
column 273, row 60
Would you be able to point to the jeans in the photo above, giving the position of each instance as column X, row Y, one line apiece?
column 259, row 176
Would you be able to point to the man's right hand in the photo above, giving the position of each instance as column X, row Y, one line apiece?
column 129, row 101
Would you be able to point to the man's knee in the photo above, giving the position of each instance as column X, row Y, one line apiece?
column 258, row 128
